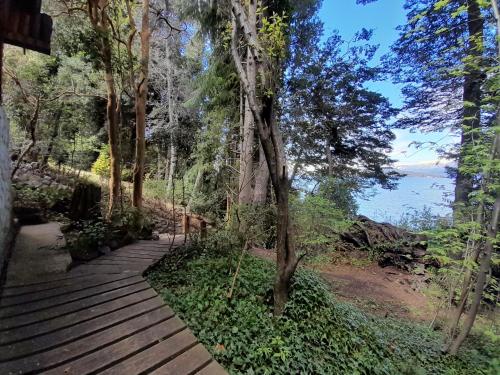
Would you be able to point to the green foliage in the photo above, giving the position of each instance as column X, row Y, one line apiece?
column 422, row 220
column 102, row 164
column 316, row 335
column 318, row 223
column 43, row 197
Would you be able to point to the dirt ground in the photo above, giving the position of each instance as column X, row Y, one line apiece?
column 382, row 291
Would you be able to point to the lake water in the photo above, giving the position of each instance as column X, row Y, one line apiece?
column 414, row 193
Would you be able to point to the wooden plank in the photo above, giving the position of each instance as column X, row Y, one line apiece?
column 132, row 334
column 63, row 336
column 125, row 255
column 62, row 299
column 119, row 351
column 119, row 262
column 148, row 249
column 187, row 363
column 46, row 280
column 92, row 282
column 155, row 355
column 213, row 368
column 81, row 304
column 141, row 253
column 86, row 268
column 137, row 293
column 33, row 288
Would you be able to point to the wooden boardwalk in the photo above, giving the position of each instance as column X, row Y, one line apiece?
column 100, row 318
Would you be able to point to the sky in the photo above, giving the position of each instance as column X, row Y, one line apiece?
column 383, row 16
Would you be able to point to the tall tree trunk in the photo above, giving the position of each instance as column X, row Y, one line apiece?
column 167, row 169
column 140, row 108
column 197, row 183
column 492, row 229
column 484, row 269
column 97, row 12
column 158, row 164
column 329, row 158
column 52, row 140
column 112, row 114
column 471, row 103
column 261, row 179
column 32, row 130
column 245, row 190
column 173, row 163
column 172, row 111
column 274, row 151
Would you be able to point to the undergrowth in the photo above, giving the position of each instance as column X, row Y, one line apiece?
column 317, row 335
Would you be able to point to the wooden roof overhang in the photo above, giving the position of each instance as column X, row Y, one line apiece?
column 22, row 24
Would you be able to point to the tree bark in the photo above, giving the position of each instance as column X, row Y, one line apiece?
column 158, row 164
column 471, row 103
column 172, row 113
column 197, row 183
column 32, row 130
column 140, row 108
column 245, row 190
column 53, row 136
column 261, row 179
column 173, row 163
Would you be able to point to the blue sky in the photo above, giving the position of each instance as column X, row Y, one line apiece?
column 383, row 17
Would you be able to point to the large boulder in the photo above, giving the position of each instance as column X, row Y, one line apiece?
column 392, row 245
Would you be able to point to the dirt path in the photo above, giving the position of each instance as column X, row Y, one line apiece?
column 383, row 291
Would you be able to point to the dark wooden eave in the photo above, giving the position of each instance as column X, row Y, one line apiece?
column 22, row 25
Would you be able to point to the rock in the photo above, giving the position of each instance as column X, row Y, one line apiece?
column 394, row 246
column 155, row 236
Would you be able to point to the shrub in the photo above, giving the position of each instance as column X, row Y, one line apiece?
column 102, row 164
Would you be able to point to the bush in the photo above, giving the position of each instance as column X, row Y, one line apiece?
column 315, row 336
column 102, row 164
column 127, row 174
column 318, row 223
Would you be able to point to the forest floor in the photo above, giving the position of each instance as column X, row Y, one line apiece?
column 387, row 292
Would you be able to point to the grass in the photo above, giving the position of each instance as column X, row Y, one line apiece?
column 317, row 334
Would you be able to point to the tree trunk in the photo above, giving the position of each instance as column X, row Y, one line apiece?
column 158, row 164
column 173, row 163
column 273, row 148
column 197, row 183
column 140, row 108
column 485, row 263
column 245, row 190
column 329, row 158
column 261, row 179
column 97, row 12
column 472, row 104
column 53, row 136
column 172, row 112
column 32, row 129
column 485, row 266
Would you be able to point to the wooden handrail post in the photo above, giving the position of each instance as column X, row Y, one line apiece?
column 186, row 223
column 203, row 229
